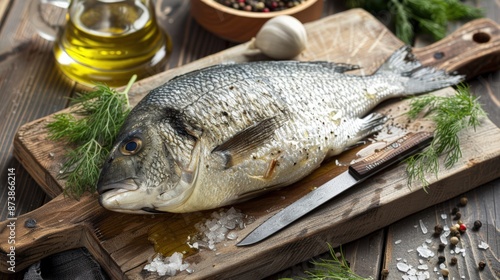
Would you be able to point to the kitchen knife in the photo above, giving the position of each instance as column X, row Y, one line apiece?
column 357, row 172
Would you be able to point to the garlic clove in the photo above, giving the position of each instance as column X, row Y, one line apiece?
column 282, row 37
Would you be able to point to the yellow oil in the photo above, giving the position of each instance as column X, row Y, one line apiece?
column 172, row 235
column 110, row 42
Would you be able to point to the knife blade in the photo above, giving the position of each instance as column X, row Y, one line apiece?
column 357, row 172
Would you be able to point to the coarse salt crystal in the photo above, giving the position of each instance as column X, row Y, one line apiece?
column 428, row 241
column 397, row 241
column 423, row 227
column 402, row 267
column 167, row 266
column 232, row 235
column 483, row 245
column 424, row 252
column 443, row 237
column 423, row 267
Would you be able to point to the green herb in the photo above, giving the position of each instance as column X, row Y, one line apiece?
column 101, row 113
column 336, row 268
column 451, row 115
column 414, row 16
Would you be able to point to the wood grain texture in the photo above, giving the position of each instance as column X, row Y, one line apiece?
column 22, row 101
column 119, row 241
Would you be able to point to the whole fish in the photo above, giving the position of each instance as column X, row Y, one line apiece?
column 226, row 133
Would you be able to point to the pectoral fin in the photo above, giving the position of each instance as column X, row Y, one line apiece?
column 242, row 144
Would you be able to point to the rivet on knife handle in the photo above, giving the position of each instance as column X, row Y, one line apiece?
column 393, row 153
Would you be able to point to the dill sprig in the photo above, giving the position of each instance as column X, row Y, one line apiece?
column 450, row 115
column 414, row 16
column 100, row 115
column 336, row 268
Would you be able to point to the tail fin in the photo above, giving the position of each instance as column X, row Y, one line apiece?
column 421, row 78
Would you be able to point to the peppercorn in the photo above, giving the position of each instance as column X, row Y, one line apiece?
column 453, row 261
column 454, row 210
column 441, row 259
column 454, row 230
column 438, row 229
column 463, row 201
column 462, row 228
column 458, row 215
column 445, row 272
column 454, row 240
column 481, row 265
column 441, row 247
column 477, row 225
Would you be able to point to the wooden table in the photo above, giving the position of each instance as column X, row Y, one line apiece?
column 31, row 87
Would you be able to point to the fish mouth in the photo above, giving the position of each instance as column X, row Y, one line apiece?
column 118, row 187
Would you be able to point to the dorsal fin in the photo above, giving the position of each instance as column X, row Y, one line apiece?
column 243, row 143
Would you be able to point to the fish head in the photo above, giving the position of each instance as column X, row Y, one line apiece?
column 142, row 175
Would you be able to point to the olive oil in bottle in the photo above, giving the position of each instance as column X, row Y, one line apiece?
column 110, row 40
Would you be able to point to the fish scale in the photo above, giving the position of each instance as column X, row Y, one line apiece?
column 230, row 132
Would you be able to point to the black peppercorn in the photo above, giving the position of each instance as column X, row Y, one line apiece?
column 453, row 261
column 477, row 225
column 458, row 215
column 481, row 265
column 441, row 259
column 438, row 229
column 454, row 211
column 441, row 247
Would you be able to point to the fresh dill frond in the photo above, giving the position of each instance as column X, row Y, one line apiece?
column 419, row 16
column 99, row 116
column 451, row 115
column 336, row 268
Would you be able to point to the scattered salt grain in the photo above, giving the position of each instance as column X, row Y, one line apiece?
column 410, row 250
column 428, row 241
column 397, row 241
column 232, row 235
column 222, row 226
column 424, row 252
column 168, row 265
column 423, row 267
column 423, row 227
column 443, row 237
column 402, row 267
column 444, row 216
column 483, row 245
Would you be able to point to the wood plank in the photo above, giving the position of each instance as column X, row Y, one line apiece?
column 363, row 255
column 26, row 95
column 482, row 205
column 118, row 241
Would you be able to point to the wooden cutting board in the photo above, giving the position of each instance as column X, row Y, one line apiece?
column 120, row 241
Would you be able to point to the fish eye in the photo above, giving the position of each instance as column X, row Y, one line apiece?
column 131, row 147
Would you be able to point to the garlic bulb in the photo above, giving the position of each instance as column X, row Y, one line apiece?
column 282, row 37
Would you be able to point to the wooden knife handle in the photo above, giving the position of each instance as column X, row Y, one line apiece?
column 471, row 50
column 391, row 154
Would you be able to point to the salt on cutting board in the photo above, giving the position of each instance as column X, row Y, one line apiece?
column 120, row 241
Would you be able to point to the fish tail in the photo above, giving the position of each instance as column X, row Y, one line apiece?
column 419, row 78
